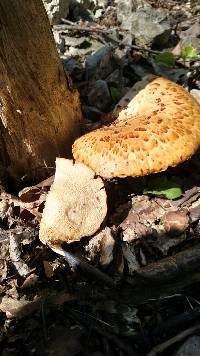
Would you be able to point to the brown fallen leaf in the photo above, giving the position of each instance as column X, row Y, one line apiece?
column 102, row 246
column 18, row 308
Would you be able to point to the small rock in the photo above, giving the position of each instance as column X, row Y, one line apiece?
column 193, row 31
column 147, row 25
column 98, row 13
column 125, row 8
column 73, row 68
column 91, row 113
column 100, row 96
column 151, row 26
column 77, row 52
column 190, row 347
column 82, row 9
column 60, row 42
column 196, row 94
column 76, row 41
column 102, row 3
column 56, row 9
column 100, row 64
column 190, row 41
column 176, row 222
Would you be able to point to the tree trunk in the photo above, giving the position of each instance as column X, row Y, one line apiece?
column 39, row 112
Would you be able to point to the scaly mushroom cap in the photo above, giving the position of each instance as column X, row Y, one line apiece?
column 159, row 128
column 76, row 205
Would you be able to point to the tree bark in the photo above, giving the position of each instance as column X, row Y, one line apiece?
column 39, row 111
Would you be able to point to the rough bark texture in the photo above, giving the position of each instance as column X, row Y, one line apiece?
column 39, row 111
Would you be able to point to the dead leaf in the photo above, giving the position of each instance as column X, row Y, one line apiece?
column 102, row 246
column 18, row 308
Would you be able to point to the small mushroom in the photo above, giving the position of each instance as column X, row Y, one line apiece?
column 76, row 205
column 159, row 128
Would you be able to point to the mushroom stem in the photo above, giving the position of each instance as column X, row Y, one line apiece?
column 77, row 262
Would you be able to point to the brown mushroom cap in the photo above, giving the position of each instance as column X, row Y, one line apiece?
column 76, row 205
column 159, row 128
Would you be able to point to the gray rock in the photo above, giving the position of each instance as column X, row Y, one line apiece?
column 76, row 41
column 73, row 68
column 151, row 26
column 56, row 9
column 60, row 42
column 125, row 8
column 98, row 13
column 193, row 31
column 174, row 74
column 100, row 64
column 196, row 94
column 147, row 25
column 91, row 113
column 82, row 9
column 99, row 96
column 191, row 347
column 190, row 41
column 77, row 52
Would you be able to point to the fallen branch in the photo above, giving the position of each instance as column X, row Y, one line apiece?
column 181, row 336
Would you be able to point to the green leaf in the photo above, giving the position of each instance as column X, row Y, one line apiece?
column 167, row 58
column 189, row 52
column 161, row 186
column 115, row 94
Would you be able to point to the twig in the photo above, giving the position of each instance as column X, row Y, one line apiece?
column 195, row 191
column 161, row 347
column 115, row 339
column 176, row 322
column 82, row 28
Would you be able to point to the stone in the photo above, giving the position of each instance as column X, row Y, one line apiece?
column 102, row 3
column 99, row 96
column 147, row 25
column 60, row 42
column 190, row 41
column 193, row 31
column 125, row 9
column 82, row 9
column 98, row 13
column 151, row 26
column 73, row 68
column 56, row 9
column 99, row 64
column 91, row 113
column 190, row 347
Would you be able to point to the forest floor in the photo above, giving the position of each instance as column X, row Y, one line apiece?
column 136, row 290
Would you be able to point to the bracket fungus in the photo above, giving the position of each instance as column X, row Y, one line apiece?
column 159, row 128
column 76, row 205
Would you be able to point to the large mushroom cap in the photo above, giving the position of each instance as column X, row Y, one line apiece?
column 159, row 128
